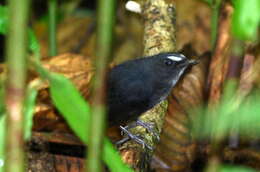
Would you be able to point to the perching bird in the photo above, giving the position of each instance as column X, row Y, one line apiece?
column 138, row 85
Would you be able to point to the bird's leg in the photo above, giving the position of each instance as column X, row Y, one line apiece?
column 131, row 136
column 122, row 141
column 128, row 127
column 147, row 126
column 125, row 130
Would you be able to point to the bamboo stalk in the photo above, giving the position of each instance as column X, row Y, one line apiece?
column 16, row 47
column 105, row 25
column 52, row 9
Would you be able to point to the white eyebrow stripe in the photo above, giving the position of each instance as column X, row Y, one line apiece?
column 133, row 6
column 174, row 58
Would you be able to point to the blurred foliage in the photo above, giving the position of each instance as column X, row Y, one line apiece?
column 2, row 141
column 52, row 27
column 235, row 113
column 2, row 105
column 2, row 125
column 229, row 115
column 235, row 169
column 3, row 19
column 243, row 116
column 246, row 19
column 33, row 45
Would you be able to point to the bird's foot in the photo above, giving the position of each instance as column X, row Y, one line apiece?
column 149, row 127
column 131, row 136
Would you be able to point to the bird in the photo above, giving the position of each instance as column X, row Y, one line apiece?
column 136, row 86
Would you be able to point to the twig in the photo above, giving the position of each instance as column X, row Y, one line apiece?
column 217, row 73
column 159, row 36
column 218, row 65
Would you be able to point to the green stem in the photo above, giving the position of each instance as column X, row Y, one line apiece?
column 16, row 47
column 214, row 26
column 52, row 7
column 105, row 25
column 214, row 21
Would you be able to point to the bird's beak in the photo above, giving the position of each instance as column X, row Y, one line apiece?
column 193, row 62
column 188, row 63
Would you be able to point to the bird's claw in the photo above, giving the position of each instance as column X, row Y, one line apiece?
column 131, row 136
column 148, row 126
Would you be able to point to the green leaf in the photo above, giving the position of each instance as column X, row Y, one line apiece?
column 246, row 19
column 34, row 45
column 2, row 141
column 29, row 105
column 76, row 111
column 3, row 19
column 113, row 159
column 71, row 104
column 227, row 168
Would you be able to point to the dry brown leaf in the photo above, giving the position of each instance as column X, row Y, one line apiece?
column 176, row 148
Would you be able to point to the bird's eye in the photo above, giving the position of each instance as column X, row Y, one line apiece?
column 168, row 62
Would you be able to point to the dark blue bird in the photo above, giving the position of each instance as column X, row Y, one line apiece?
column 137, row 85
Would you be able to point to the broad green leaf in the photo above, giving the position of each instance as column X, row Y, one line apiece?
column 71, row 104
column 227, row 168
column 76, row 111
column 113, row 159
column 29, row 105
column 34, row 45
column 246, row 19
column 2, row 141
